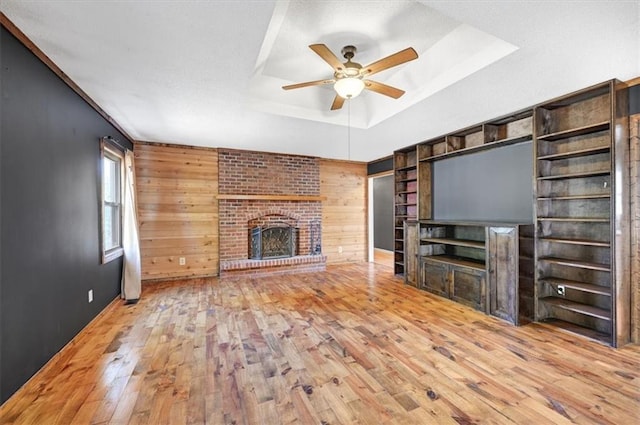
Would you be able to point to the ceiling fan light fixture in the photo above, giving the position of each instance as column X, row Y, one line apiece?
column 349, row 77
column 349, row 87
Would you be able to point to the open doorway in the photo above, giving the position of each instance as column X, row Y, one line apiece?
column 381, row 241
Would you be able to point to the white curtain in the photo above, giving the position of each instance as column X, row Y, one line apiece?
column 131, row 274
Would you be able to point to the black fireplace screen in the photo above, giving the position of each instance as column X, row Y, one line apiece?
column 272, row 242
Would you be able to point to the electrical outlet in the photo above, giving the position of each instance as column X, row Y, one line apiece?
column 561, row 290
column 183, row 261
column 90, row 295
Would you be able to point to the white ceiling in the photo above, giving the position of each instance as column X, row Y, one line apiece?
column 209, row 73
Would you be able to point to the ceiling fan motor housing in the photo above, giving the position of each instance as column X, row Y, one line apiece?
column 348, row 52
column 351, row 69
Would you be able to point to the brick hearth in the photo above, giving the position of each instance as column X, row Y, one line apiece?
column 300, row 263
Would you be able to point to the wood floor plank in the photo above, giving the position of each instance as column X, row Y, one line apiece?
column 352, row 345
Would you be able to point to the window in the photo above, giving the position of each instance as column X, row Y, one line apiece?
column 112, row 164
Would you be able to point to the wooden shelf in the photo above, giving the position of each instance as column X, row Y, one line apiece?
column 576, row 175
column 576, row 307
column 578, row 286
column 574, row 154
column 407, row 167
column 574, row 197
column 271, row 197
column 576, row 219
column 491, row 223
column 405, row 181
column 579, row 131
column 458, row 261
column 484, row 146
column 405, row 204
column 584, row 242
column 456, row 242
column 574, row 329
column 576, row 263
column 587, row 93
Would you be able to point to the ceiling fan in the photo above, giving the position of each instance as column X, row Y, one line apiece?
column 349, row 78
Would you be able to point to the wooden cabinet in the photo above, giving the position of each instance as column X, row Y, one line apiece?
column 582, row 213
column 434, row 276
column 468, row 286
column 465, row 285
column 510, row 272
column 453, row 264
column 411, row 253
column 487, row 266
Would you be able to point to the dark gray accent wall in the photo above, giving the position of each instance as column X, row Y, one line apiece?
column 383, row 212
column 49, row 230
column 380, row 166
column 490, row 185
column 634, row 100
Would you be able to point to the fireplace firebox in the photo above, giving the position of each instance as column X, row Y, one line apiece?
column 266, row 242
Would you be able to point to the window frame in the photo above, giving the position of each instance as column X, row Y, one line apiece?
column 109, row 150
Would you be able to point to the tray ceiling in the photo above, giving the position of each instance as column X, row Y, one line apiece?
column 448, row 51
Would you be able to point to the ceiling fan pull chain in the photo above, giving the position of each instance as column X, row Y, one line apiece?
column 349, row 129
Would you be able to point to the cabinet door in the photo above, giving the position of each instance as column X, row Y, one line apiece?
column 468, row 286
column 434, row 277
column 411, row 253
column 502, row 259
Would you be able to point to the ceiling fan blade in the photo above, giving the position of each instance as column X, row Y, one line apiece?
column 383, row 89
column 328, row 56
column 396, row 59
column 337, row 103
column 308, row 84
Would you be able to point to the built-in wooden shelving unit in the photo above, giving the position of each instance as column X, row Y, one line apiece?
column 413, row 168
column 581, row 180
column 405, row 165
column 580, row 243
column 581, row 240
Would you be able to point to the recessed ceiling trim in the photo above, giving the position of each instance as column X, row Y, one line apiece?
column 452, row 53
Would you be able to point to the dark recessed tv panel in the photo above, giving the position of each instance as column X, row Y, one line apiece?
column 492, row 185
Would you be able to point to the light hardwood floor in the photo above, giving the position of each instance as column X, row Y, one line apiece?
column 383, row 257
column 352, row 345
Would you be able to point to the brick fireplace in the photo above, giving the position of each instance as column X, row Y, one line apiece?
column 266, row 189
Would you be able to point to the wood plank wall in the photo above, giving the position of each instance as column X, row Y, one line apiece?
column 344, row 212
column 635, row 226
column 177, row 210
